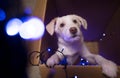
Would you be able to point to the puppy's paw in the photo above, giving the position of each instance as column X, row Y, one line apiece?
column 52, row 61
column 110, row 69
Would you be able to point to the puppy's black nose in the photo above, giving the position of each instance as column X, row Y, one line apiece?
column 73, row 30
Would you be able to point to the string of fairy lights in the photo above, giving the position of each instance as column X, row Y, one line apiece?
column 41, row 56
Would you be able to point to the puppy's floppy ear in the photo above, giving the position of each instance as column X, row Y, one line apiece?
column 50, row 26
column 82, row 20
column 84, row 23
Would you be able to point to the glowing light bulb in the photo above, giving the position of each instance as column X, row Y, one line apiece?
column 49, row 49
column 81, row 59
column 12, row 27
column 83, row 64
column 75, row 77
column 104, row 34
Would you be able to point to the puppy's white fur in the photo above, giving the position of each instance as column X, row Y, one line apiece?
column 73, row 44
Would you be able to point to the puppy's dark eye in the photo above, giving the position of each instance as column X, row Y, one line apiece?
column 74, row 21
column 62, row 25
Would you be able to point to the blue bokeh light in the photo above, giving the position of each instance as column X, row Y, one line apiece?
column 12, row 27
column 28, row 10
column 48, row 49
column 2, row 15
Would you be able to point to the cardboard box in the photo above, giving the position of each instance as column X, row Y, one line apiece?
column 73, row 71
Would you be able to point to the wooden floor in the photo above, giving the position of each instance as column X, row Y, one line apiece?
column 72, row 71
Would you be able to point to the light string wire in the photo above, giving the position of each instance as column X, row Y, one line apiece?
column 44, row 62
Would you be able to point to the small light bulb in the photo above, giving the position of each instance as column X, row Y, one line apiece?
column 83, row 64
column 81, row 59
column 75, row 77
column 104, row 34
column 49, row 49
column 87, row 61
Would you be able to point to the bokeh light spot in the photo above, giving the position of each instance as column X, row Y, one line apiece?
column 12, row 27
column 32, row 29
column 2, row 15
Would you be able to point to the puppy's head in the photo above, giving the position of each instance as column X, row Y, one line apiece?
column 67, row 27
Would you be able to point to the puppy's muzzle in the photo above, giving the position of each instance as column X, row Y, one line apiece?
column 73, row 30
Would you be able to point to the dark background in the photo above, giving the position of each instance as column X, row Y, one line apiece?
column 13, row 55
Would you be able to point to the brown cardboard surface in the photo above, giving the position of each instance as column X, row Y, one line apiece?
column 58, row 71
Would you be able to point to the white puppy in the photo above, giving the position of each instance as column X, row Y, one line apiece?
column 70, row 38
